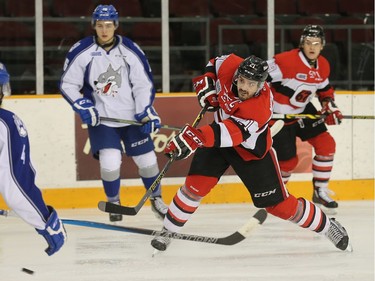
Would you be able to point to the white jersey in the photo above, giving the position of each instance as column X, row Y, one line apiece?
column 119, row 82
column 17, row 175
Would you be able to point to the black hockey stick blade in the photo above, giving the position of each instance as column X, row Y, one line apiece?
column 234, row 238
column 109, row 207
column 132, row 211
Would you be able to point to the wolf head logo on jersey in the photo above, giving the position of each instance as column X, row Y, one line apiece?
column 108, row 82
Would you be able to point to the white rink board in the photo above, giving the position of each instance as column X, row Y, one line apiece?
column 50, row 122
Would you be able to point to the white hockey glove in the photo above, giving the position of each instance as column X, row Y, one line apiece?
column 87, row 111
column 54, row 233
column 151, row 120
column 204, row 87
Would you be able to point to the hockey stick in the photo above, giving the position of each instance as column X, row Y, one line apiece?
column 318, row 116
column 257, row 219
column 132, row 211
column 276, row 127
column 131, row 122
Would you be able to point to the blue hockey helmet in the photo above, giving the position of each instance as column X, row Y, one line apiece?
column 4, row 82
column 105, row 12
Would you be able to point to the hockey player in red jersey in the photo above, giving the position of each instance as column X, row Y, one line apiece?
column 238, row 137
column 296, row 77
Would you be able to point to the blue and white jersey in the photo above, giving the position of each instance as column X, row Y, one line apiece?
column 119, row 81
column 17, row 175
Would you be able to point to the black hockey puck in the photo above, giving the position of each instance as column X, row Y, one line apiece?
column 28, row 271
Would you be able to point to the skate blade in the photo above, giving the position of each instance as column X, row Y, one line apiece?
column 155, row 252
column 349, row 248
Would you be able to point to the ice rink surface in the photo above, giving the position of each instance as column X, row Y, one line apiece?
column 278, row 250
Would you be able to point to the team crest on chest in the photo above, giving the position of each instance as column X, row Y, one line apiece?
column 108, row 82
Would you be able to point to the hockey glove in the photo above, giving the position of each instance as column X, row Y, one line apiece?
column 204, row 86
column 54, row 233
column 333, row 114
column 151, row 120
column 87, row 111
column 185, row 143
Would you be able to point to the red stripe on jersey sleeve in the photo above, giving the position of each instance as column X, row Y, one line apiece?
column 208, row 133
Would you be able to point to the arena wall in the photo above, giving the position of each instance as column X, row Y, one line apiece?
column 52, row 127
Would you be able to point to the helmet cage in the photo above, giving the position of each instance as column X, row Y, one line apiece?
column 105, row 13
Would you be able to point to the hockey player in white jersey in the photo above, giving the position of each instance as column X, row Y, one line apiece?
column 108, row 75
column 17, row 184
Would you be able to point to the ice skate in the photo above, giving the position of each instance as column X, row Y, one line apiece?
column 162, row 240
column 338, row 236
column 158, row 207
column 115, row 217
column 321, row 196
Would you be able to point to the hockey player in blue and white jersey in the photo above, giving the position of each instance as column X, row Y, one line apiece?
column 17, row 176
column 108, row 75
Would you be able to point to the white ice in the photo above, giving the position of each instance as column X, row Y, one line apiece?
column 278, row 250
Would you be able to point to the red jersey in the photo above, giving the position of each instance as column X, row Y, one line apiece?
column 295, row 82
column 242, row 125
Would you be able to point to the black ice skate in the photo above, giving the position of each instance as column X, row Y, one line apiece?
column 321, row 196
column 162, row 241
column 338, row 236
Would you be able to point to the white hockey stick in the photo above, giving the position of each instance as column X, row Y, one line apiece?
column 276, row 127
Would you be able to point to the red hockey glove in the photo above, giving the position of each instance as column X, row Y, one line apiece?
column 204, row 86
column 185, row 143
column 333, row 115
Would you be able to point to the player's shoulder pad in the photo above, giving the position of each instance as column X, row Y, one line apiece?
column 133, row 48
column 6, row 114
column 285, row 56
column 81, row 45
column 324, row 66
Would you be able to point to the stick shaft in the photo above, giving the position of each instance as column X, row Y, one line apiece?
column 318, row 116
column 258, row 218
column 132, row 122
column 132, row 211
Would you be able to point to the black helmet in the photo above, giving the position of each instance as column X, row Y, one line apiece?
column 253, row 68
column 313, row 31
